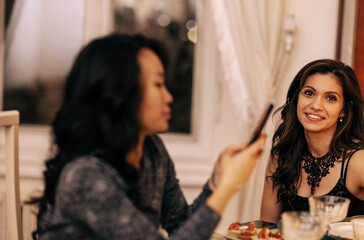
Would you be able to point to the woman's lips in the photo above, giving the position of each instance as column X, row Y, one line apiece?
column 168, row 115
column 314, row 117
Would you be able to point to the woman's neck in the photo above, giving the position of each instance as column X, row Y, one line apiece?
column 135, row 155
column 318, row 144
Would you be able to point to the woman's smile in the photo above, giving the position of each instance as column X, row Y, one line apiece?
column 314, row 117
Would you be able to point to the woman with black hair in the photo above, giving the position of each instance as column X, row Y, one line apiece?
column 111, row 176
column 318, row 146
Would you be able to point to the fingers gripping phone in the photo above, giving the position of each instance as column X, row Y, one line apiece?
column 262, row 122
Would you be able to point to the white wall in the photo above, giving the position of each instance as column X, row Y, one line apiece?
column 316, row 34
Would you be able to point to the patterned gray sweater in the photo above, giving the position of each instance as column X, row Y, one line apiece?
column 92, row 202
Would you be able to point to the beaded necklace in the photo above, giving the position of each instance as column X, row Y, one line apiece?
column 318, row 167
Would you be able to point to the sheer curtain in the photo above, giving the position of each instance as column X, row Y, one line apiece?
column 254, row 41
column 98, row 19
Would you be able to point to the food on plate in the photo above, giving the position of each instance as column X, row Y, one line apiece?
column 250, row 232
column 264, row 233
column 234, row 226
column 251, row 226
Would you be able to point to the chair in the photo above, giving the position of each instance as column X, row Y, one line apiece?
column 10, row 121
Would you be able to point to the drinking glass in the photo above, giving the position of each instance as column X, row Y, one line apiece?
column 358, row 227
column 299, row 225
column 330, row 208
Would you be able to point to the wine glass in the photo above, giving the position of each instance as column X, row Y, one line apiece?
column 330, row 208
column 302, row 225
column 358, row 226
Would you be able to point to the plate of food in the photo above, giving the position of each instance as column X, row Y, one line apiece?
column 250, row 231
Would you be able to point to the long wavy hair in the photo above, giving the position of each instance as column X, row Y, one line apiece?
column 289, row 141
column 100, row 108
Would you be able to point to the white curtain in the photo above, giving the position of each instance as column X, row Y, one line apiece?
column 254, row 45
column 98, row 19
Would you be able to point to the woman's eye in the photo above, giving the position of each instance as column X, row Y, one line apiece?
column 308, row 92
column 332, row 98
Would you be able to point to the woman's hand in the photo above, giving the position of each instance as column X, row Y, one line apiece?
column 237, row 162
column 232, row 169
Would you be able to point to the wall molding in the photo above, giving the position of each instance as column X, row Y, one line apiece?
column 35, row 148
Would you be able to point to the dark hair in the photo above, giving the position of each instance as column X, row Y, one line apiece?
column 349, row 134
column 99, row 113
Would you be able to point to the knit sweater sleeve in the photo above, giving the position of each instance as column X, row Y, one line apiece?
column 183, row 221
column 90, row 191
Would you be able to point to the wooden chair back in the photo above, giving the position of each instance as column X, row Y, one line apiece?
column 10, row 121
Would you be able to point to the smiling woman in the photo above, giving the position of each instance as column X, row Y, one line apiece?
column 323, row 116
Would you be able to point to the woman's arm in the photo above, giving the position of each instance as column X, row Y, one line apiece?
column 233, row 168
column 198, row 218
column 92, row 195
column 270, row 209
column 355, row 176
column 235, row 165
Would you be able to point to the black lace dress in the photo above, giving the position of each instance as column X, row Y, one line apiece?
column 356, row 205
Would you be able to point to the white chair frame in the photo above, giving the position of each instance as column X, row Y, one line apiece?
column 10, row 121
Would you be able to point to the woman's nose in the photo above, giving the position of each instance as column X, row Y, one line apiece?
column 168, row 96
column 317, row 103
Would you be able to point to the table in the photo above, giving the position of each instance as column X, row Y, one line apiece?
column 216, row 236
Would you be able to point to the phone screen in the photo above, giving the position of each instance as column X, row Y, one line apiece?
column 263, row 120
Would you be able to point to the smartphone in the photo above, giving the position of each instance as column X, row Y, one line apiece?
column 261, row 224
column 263, row 120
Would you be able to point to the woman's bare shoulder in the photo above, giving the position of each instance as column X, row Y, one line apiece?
column 356, row 165
column 357, row 158
column 355, row 170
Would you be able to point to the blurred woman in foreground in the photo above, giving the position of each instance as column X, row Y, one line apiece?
column 111, row 176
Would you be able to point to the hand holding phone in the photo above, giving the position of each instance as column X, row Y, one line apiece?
column 262, row 122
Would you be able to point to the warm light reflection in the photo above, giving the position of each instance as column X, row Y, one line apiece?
column 192, row 34
column 164, row 20
column 191, row 24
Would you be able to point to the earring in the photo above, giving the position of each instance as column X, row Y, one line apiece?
column 341, row 119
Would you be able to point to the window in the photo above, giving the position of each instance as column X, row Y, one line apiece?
column 191, row 152
column 46, row 57
column 42, row 39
